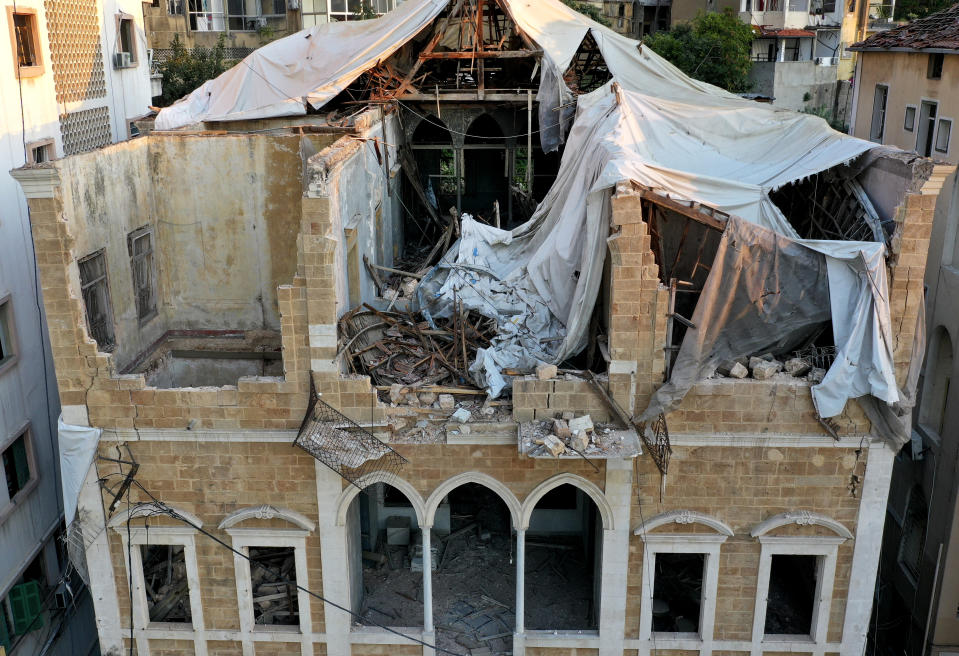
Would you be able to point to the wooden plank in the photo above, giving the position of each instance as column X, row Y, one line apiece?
column 716, row 223
column 482, row 54
column 463, row 96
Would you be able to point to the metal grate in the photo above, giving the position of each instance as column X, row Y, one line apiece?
column 342, row 444
column 657, row 444
column 818, row 356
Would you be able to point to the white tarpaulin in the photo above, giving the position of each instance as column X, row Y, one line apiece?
column 661, row 129
column 78, row 446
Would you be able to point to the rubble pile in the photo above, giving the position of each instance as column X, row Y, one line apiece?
column 766, row 367
column 403, row 348
column 572, row 435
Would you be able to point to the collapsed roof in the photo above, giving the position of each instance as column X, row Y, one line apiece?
column 650, row 125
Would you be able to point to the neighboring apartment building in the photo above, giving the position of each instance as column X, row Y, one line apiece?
column 907, row 86
column 918, row 609
column 72, row 77
column 637, row 18
column 750, row 526
column 245, row 24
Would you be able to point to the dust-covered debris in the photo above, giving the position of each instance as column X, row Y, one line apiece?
column 606, row 440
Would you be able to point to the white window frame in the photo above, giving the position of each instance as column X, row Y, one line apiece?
column 826, row 549
column 8, row 333
column 915, row 117
column 244, row 538
column 935, row 138
column 9, row 505
column 162, row 535
column 688, row 543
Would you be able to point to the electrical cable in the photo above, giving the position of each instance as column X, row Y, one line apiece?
column 164, row 509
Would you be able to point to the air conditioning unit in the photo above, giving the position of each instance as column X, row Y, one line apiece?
column 122, row 60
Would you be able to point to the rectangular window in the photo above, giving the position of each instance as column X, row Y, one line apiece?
column 21, row 612
column 140, row 247
column 678, row 592
column 792, row 593
column 174, row 7
column 165, row 579
column 910, row 122
column 878, row 113
column 247, row 16
column 41, row 151
column 927, row 127
column 16, row 466
column 8, row 348
column 273, row 581
column 943, row 132
column 207, row 16
column 25, row 38
column 96, row 299
column 934, row 68
column 126, row 42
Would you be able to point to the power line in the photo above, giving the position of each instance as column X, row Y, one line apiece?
column 164, row 509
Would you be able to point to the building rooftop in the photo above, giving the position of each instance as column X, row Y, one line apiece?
column 938, row 31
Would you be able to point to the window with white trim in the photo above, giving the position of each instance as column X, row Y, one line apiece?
column 943, row 133
column 165, row 574
column 269, row 578
column 794, row 587
column 878, row 126
column 40, row 151
column 679, row 585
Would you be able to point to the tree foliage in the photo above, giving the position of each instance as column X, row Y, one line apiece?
column 712, row 47
column 589, row 10
column 913, row 9
column 185, row 70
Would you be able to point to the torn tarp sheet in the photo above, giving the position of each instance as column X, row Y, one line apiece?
column 766, row 292
column 78, row 446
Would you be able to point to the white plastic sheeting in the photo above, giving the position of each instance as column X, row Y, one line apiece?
column 309, row 67
column 78, row 446
column 661, row 129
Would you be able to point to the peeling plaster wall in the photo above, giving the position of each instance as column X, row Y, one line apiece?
column 351, row 175
column 225, row 212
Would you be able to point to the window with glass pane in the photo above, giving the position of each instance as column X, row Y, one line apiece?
column 144, row 284
column 943, row 133
column 96, row 299
column 25, row 29
column 16, row 466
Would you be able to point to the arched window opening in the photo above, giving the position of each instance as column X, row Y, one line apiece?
column 938, row 377
column 564, row 544
column 485, row 170
column 474, row 576
column 386, row 574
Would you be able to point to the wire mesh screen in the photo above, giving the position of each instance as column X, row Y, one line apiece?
column 343, row 445
column 77, row 539
column 656, row 440
column 818, row 356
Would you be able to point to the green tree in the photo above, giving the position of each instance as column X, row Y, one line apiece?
column 712, row 47
column 185, row 70
column 589, row 10
column 913, row 9
column 365, row 11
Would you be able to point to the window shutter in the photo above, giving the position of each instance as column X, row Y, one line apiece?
column 25, row 603
column 20, row 463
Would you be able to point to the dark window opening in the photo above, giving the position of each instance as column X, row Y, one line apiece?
column 563, row 552
column 96, row 299
column 792, row 593
column 927, row 128
column 913, row 539
column 934, row 68
column 678, row 592
column 140, row 244
column 25, row 31
column 878, row 125
column 273, row 582
column 165, row 583
column 386, row 557
column 16, row 466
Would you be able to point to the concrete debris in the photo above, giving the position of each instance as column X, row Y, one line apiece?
column 427, row 398
column 561, row 429
column 447, row 401
column 461, row 416
column 568, row 415
column 579, row 441
column 738, row 371
column 554, row 445
column 397, row 393
column 546, row 371
column 816, row 375
column 764, row 369
column 583, row 424
column 797, row 367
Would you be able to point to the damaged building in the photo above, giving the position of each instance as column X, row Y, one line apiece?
column 477, row 328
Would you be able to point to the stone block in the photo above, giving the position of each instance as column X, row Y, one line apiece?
column 797, row 367
column 427, row 398
column 763, row 369
column 579, row 440
column 447, row 401
column 554, row 445
column 561, row 428
column 546, row 371
column 461, row 416
column 584, row 423
column 816, row 375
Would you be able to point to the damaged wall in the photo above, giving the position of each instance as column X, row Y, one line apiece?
column 224, row 234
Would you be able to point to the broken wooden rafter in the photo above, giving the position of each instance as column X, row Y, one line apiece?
column 708, row 216
column 483, row 54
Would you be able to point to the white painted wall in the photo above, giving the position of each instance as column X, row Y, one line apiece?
column 28, row 391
